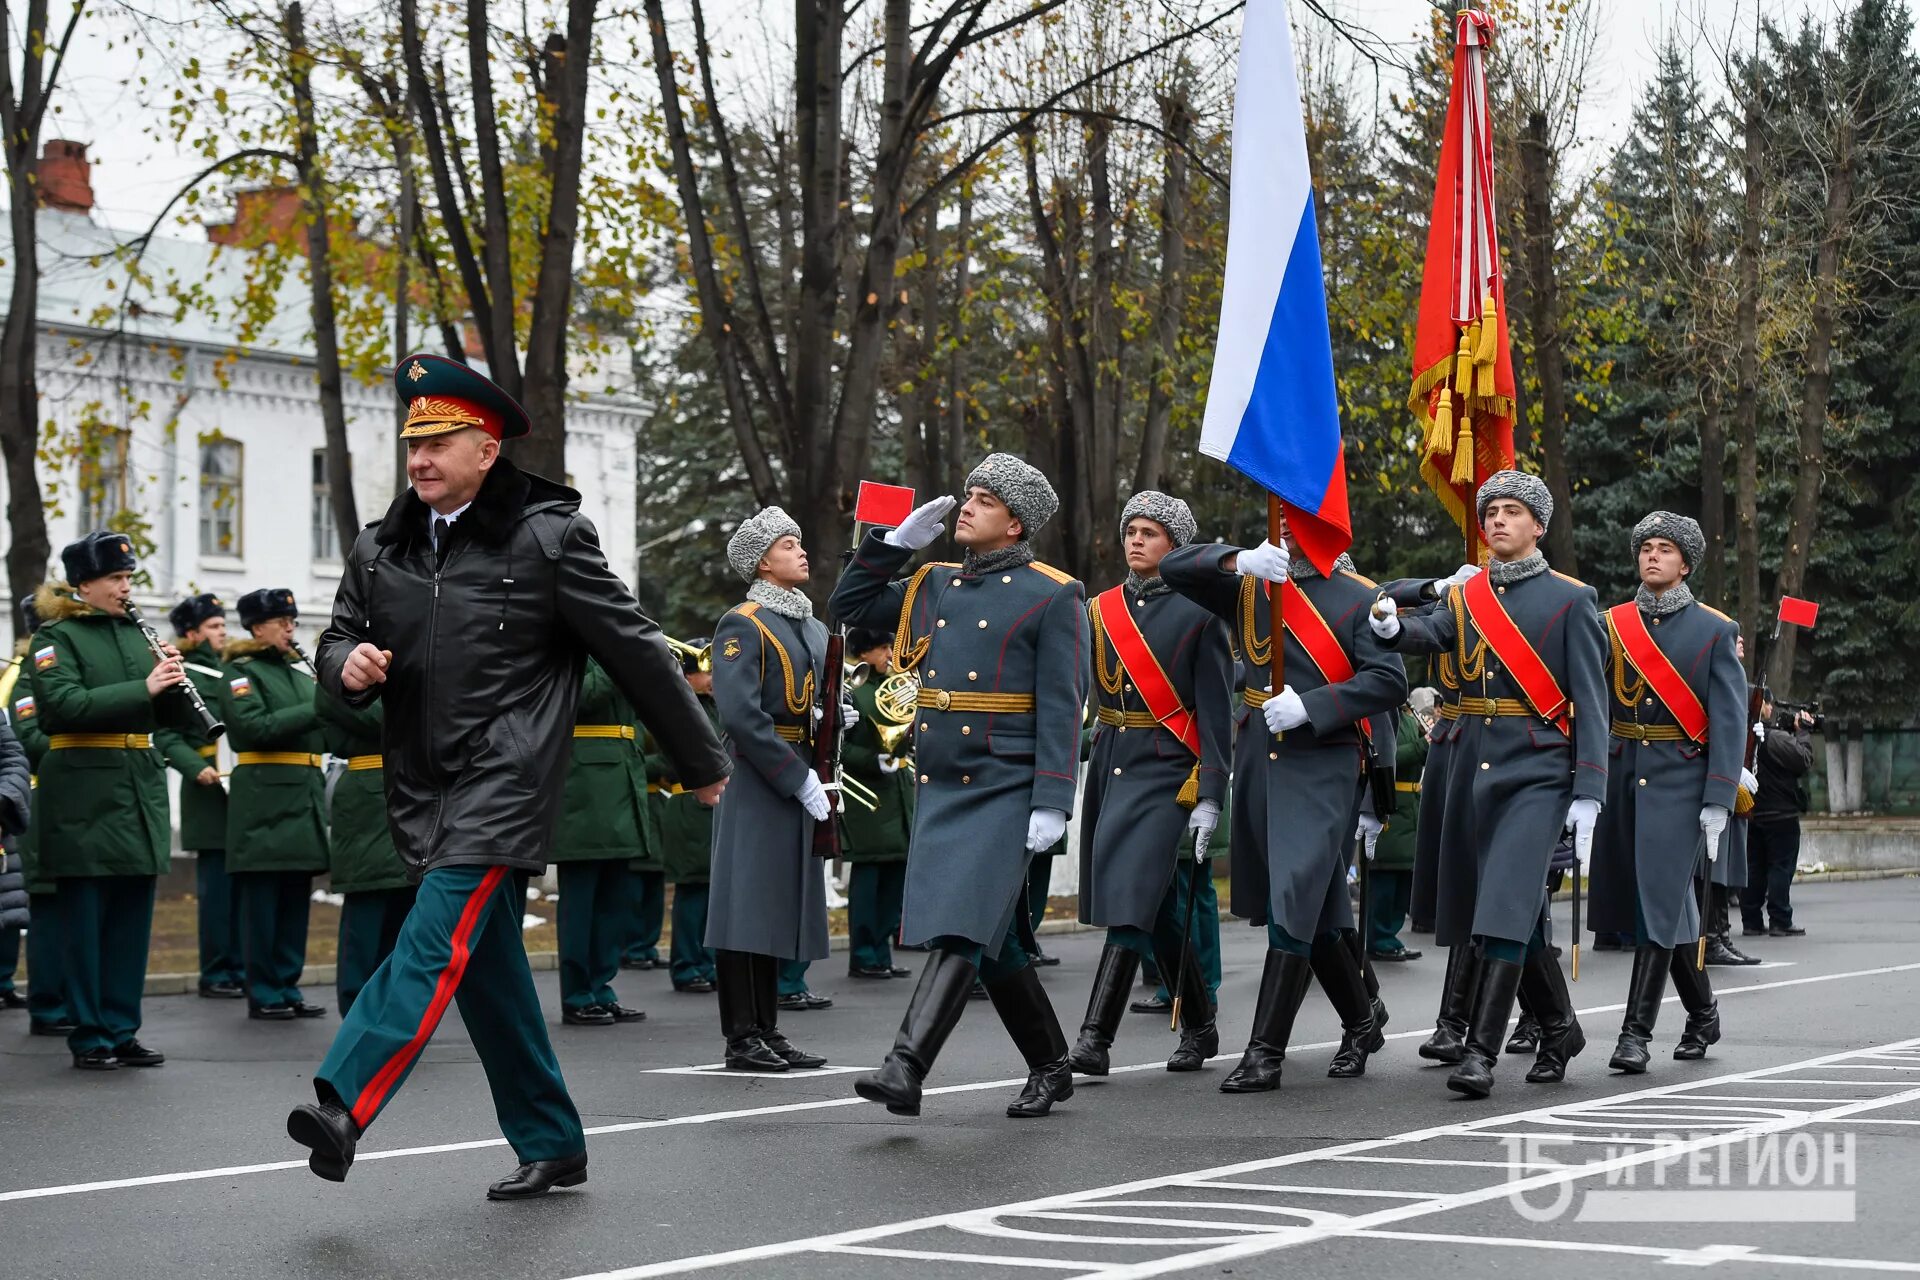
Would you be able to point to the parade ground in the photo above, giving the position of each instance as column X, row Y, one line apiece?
column 1793, row 1149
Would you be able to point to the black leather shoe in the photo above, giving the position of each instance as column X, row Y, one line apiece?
column 61, row 1028
column 751, row 1053
column 96, row 1060
column 795, row 1003
column 1112, row 979
column 134, row 1054
column 222, row 991
column 271, row 1012
column 782, row 1048
column 1448, row 1043
column 1044, row 960
column 329, row 1134
column 1399, row 953
column 1283, row 985
column 592, row 1015
column 540, row 1177
column 11, row 999
column 1786, row 931
column 1151, row 1004
column 1526, row 1035
column 1603, row 943
column 871, row 971
column 1753, row 931
column 302, row 1009
column 631, row 962
column 897, row 971
column 816, row 1001
column 938, row 1001
column 621, row 1013
column 1645, row 989
column 694, row 987
column 1722, row 952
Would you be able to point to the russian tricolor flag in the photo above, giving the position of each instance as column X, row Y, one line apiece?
column 1271, row 410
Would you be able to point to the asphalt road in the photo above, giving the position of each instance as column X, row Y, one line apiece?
column 1810, row 1108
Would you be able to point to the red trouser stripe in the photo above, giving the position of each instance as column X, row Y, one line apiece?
column 368, row 1104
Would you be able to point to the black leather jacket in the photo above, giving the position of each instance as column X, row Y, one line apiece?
column 488, row 648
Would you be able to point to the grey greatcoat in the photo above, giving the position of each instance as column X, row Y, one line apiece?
column 1020, row 634
column 1295, row 797
column 1648, row 844
column 1131, row 821
column 1417, row 593
column 767, row 894
column 1512, row 778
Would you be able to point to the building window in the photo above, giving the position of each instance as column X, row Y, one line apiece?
column 103, row 476
column 220, row 476
column 326, row 537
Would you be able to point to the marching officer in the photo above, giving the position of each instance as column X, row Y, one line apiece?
column 686, row 837
column 46, row 961
column 99, row 694
column 200, row 631
column 877, row 756
column 1163, row 745
column 603, row 827
column 998, row 643
column 1679, row 728
column 767, row 901
column 1530, row 758
column 1300, row 773
column 364, row 868
column 276, row 824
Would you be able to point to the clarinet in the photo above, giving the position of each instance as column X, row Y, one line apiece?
column 300, row 655
column 210, row 726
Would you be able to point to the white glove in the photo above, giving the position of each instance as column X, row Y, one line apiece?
column 1264, row 561
column 1748, row 781
column 813, row 798
column 1044, row 829
column 1284, row 711
column 923, row 524
column 892, row 764
column 1370, row 829
column 1582, row 817
column 1458, row 578
column 1204, row 817
column 1760, row 730
column 1713, row 823
column 1384, row 618
column 849, row 714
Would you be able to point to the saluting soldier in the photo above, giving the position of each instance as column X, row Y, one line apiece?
column 999, row 645
column 878, row 755
column 604, row 825
column 364, row 867
column 767, row 901
column 1300, row 774
column 200, row 631
column 1679, row 728
column 1529, row 758
column 276, row 823
column 1162, row 749
column 686, row 837
column 46, row 961
column 104, row 833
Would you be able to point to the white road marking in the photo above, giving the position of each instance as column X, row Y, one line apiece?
column 718, row 1071
column 1705, row 1256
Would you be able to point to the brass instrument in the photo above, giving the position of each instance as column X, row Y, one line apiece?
column 210, row 726
column 894, row 702
column 703, row 658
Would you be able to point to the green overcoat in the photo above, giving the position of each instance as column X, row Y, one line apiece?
column 203, row 810
column 276, row 812
column 685, row 825
column 363, row 858
column 1395, row 850
column 880, row 834
column 605, row 812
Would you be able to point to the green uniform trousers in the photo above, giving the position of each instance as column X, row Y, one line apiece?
column 874, row 892
column 1164, row 940
column 1039, row 880
column 793, row 977
column 1206, row 930
column 1012, row 959
column 691, row 959
column 1388, row 895
column 46, row 962
column 105, row 924
column 647, row 915
column 273, row 933
column 460, row 943
column 220, row 959
column 594, row 921
column 369, row 927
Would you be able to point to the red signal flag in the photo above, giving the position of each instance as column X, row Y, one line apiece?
column 885, row 505
column 1801, row 613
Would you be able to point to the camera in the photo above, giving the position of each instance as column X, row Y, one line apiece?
column 1784, row 714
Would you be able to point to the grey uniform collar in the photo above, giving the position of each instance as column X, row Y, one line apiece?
column 1671, row 601
column 1504, row 573
column 1146, row 587
column 1300, row 569
column 1013, row 557
column 785, row 601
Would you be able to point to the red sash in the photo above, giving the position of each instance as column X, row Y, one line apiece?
column 1156, row 690
column 1658, row 670
column 1311, row 631
column 1496, row 627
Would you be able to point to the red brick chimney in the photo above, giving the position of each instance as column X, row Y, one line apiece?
column 66, row 177
column 260, row 214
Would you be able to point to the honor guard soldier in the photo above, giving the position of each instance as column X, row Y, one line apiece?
column 1529, row 757
column 999, row 645
column 686, row 836
column 767, row 901
column 100, row 689
column 877, row 757
column 364, row 868
column 1162, row 749
column 200, row 633
column 469, row 611
column 604, row 825
column 46, row 961
column 1679, row 713
column 1300, row 771
column 276, row 824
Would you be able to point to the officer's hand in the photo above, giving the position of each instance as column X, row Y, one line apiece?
column 1582, row 818
column 365, row 667
column 1369, row 832
column 1713, row 823
column 164, row 676
column 892, row 764
column 1205, row 816
column 1384, row 618
column 923, row 524
column 813, row 798
column 1458, row 578
column 1760, row 730
column 1749, row 783
column 208, row 777
column 709, row 795
column 1284, row 711
column 1044, row 829
column 1804, row 720
column 1264, row 561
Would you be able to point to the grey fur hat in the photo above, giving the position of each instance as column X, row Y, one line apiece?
column 749, row 543
column 1164, row 510
column 1682, row 531
column 1019, row 484
column 1523, row 488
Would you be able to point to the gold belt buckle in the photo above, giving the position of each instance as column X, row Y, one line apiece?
column 941, row 698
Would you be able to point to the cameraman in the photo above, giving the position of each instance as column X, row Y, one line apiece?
column 1773, row 833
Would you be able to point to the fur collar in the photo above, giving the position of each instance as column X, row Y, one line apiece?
column 55, row 602
column 248, row 647
column 505, row 497
column 785, row 601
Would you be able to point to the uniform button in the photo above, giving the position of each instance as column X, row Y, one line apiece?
column 956, row 582
column 983, row 624
column 1273, row 755
column 923, row 726
column 973, row 675
column 1643, row 782
column 1502, row 590
column 1656, row 622
column 1006, row 577
column 1116, row 773
column 923, row 778
column 941, row 623
column 1649, row 701
column 931, row 674
column 1486, row 764
column 966, row 730
column 1140, row 604
column 1489, row 719
column 1127, row 687
column 965, row 778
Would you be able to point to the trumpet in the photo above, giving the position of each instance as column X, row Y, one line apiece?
column 210, row 726
column 703, row 657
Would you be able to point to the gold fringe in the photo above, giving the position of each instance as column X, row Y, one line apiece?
column 1484, row 350
column 1463, row 451
column 1742, row 802
column 1190, row 790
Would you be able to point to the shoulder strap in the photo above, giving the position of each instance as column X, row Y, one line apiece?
column 1497, row 627
column 1149, row 677
column 1636, row 642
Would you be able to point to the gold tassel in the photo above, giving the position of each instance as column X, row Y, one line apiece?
column 1742, row 802
column 1483, row 382
column 1489, row 335
column 1463, row 451
column 1463, row 362
column 1440, row 427
column 1189, row 790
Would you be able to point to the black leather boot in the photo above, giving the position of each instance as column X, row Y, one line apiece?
column 941, row 995
column 1449, row 1039
column 1703, row 1011
column 1340, row 977
column 327, row 1130
column 739, row 1015
column 538, row 1177
column 1106, row 1005
column 1283, row 985
column 1199, row 1033
column 1499, row 982
column 1556, row 1028
column 766, row 1012
column 1644, row 992
column 1028, row 1016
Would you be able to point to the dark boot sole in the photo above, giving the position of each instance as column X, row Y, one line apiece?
column 1469, row 1086
column 571, row 1180
column 1570, row 1046
column 897, row 1105
column 325, row 1159
column 1628, row 1066
column 1230, row 1085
